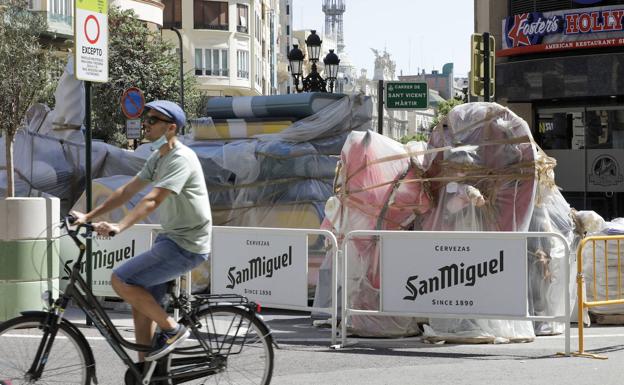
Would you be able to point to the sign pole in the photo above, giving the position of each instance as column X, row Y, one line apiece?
column 486, row 66
column 91, row 65
column 380, row 107
column 88, row 184
column 88, row 176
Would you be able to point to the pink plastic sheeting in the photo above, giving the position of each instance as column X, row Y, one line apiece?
column 369, row 195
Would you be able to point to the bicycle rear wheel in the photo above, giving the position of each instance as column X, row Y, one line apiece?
column 241, row 346
column 19, row 341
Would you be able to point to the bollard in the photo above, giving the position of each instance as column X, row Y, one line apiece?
column 29, row 253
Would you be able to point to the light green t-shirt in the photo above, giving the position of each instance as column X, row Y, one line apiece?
column 185, row 214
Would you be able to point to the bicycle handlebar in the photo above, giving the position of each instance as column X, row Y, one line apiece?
column 70, row 220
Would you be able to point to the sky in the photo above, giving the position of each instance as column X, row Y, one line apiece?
column 416, row 33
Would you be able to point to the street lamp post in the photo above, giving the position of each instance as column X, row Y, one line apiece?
column 314, row 82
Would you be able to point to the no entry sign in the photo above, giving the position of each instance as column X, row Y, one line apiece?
column 91, row 31
column 132, row 103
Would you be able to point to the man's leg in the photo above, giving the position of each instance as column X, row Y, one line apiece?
column 144, row 303
column 144, row 329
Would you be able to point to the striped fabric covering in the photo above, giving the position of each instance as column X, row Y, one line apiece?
column 207, row 129
column 267, row 106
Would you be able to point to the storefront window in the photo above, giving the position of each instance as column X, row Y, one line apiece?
column 588, row 145
column 572, row 129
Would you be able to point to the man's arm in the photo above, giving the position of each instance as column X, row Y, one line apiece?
column 145, row 207
column 116, row 199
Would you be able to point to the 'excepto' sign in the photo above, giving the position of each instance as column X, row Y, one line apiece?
column 91, row 34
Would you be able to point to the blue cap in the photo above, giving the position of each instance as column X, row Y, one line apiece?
column 170, row 110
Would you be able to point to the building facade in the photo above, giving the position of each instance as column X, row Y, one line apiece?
column 559, row 66
column 230, row 46
column 59, row 15
column 285, row 43
column 443, row 83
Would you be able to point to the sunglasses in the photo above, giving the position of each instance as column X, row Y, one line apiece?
column 151, row 120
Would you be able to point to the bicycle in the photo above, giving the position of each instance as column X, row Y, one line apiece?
column 229, row 342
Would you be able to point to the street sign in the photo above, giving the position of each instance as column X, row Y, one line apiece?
column 133, row 128
column 477, row 68
column 404, row 95
column 91, row 35
column 132, row 103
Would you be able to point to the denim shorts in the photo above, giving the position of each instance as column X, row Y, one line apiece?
column 153, row 269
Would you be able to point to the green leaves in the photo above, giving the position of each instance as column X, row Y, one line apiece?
column 138, row 57
column 22, row 60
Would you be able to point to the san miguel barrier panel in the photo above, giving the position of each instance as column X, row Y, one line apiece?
column 107, row 254
column 452, row 275
column 268, row 266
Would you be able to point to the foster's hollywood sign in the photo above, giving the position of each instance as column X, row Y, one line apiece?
column 536, row 32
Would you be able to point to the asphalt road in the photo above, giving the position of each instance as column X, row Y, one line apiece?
column 305, row 357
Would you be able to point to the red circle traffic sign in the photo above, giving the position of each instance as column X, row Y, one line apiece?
column 132, row 103
column 97, row 25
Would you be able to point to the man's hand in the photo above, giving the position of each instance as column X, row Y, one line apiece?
column 105, row 228
column 81, row 218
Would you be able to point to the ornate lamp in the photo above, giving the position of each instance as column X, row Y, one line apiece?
column 313, row 82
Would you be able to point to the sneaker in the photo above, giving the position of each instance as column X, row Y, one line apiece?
column 167, row 341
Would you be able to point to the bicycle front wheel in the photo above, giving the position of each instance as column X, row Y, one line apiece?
column 19, row 341
column 241, row 349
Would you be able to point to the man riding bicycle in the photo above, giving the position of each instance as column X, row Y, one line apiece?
column 179, row 192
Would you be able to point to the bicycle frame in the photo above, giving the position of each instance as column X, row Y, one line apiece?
column 78, row 290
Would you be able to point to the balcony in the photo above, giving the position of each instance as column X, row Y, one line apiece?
column 218, row 27
column 172, row 24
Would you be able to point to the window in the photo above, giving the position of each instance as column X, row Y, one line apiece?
column 208, row 62
column 211, row 62
column 288, row 9
column 199, row 63
column 61, row 10
column 172, row 14
column 243, row 64
column 287, row 29
column 258, row 70
column 210, row 15
column 258, row 28
column 242, row 18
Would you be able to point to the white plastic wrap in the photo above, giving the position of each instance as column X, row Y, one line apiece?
column 70, row 99
column 484, row 180
column 546, row 256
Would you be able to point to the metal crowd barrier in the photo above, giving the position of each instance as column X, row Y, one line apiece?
column 235, row 234
column 412, row 243
column 614, row 299
column 140, row 237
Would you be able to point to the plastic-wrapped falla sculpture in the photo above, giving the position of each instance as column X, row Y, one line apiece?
column 484, row 179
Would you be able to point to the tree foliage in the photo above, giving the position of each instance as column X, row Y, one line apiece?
column 443, row 109
column 23, row 65
column 138, row 57
column 420, row 136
